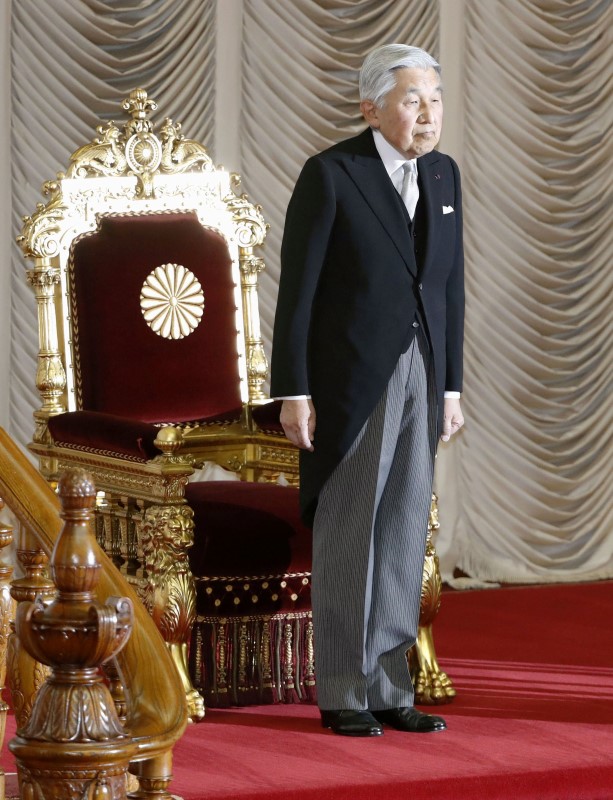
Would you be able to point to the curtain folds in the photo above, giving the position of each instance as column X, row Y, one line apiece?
column 527, row 498
column 534, row 498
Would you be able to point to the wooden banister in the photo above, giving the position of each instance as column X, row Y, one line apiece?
column 156, row 708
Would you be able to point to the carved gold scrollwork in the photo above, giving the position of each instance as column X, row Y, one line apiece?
column 235, row 464
column 432, row 685
column 257, row 370
column 431, row 580
column 159, row 485
column 105, row 155
column 286, row 456
column 166, row 533
column 180, row 154
column 251, row 228
column 43, row 280
column 41, row 435
column 50, row 379
column 39, row 236
column 137, row 150
column 251, row 266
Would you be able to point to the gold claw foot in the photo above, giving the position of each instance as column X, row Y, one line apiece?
column 195, row 706
column 432, row 685
column 195, row 701
column 433, row 689
column 447, row 685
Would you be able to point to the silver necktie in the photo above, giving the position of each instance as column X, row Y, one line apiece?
column 410, row 190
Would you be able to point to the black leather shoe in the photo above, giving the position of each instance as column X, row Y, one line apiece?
column 351, row 723
column 410, row 719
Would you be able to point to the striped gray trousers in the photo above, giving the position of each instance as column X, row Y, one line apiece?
column 369, row 538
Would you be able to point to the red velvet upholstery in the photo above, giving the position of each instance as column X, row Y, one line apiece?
column 104, row 433
column 249, row 537
column 109, row 434
column 125, row 368
column 266, row 417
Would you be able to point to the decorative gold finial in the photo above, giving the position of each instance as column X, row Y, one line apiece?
column 169, row 439
column 139, row 104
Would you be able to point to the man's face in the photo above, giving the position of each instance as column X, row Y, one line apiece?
column 412, row 113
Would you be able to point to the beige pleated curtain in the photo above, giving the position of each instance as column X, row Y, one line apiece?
column 535, row 501
column 525, row 490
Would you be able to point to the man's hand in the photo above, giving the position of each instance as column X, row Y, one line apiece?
column 298, row 421
column 452, row 418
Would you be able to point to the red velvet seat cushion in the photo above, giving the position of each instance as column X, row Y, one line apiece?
column 252, row 554
column 106, row 434
column 266, row 416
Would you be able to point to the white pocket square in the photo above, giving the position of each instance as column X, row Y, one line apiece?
column 447, row 209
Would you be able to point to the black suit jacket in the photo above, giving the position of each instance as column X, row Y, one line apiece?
column 354, row 273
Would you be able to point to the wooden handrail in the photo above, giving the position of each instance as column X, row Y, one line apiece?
column 156, row 712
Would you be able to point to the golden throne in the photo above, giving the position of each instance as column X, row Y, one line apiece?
column 151, row 366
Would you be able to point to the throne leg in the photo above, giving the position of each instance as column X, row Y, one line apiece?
column 432, row 685
column 195, row 701
column 166, row 532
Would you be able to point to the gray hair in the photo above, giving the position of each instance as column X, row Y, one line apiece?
column 377, row 74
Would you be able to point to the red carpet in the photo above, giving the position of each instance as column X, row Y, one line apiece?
column 534, row 672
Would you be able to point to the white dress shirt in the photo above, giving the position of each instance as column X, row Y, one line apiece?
column 393, row 161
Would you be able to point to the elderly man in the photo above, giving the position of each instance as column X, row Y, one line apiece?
column 367, row 357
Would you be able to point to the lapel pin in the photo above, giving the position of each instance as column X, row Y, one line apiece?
column 437, row 177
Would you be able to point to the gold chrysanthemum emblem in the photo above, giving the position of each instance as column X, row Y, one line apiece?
column 172, row 301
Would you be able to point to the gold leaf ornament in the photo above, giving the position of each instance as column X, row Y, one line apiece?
column 143, row 152
column 172, row 301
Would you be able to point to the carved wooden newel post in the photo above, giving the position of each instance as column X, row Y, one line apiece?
column 73, row 746
column 6, row 613
column 25, row 674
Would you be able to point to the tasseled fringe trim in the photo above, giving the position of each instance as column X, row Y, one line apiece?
column 254, row 660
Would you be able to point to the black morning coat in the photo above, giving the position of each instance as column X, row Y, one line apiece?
column 354, row 275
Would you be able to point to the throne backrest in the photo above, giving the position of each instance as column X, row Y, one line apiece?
column 146, row 279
